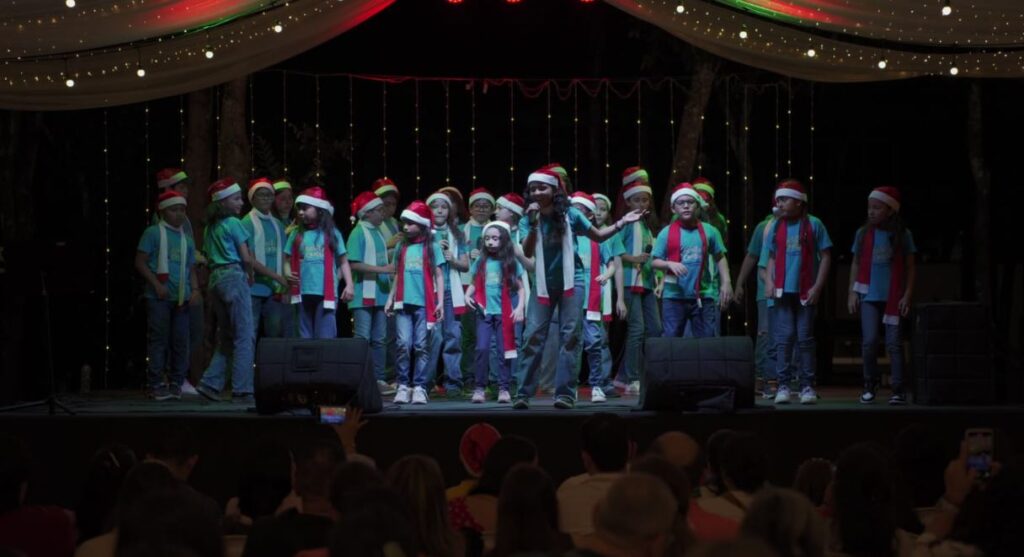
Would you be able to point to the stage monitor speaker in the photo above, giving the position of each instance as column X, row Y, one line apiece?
column 707, row 374
column 304, row 373
column 952, row 348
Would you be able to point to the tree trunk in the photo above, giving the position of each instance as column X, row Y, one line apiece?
column 233, row 138
column 982, row 188
column 198, row 156
column 691, row 125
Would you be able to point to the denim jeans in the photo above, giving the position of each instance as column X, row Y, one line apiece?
column 167, row 335
column 870, row 317
column 232, row 305
column 316, row 321
column 468, row 343
column 764, row 347
column 794, row 323
column 677, row 314
column 599, row 355
column 535, row 336
column 447, row 336
column 275, row 316
column 488, row 329
column 371, row 324
column 642, row 322
column 390, row 348
column 411, row 331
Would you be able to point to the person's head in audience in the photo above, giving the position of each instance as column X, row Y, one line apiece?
column 679, row 484
column 605, row 443
column 715, row 445
column 863, row 502
column 918, row 462
column 144, row 479
column 503, row 456
column 377, row 525
column 528, row 514
column 475, row 445
column 813, row 478
column 418, row 480
column 15, row 468
column 739, row 547
column 105, row 473
column 349, row 479
column 266, row 479
column 744, row 464
column 991, row 518
column 176, row 448
column 682, row 451
column 166, row 522
column 314, row 467
column 787, row 521
column 634, row 519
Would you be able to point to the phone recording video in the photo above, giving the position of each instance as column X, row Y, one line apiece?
column 332, row 415
column 979, row 451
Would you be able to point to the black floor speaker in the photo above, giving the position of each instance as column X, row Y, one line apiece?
column 305, row 373
column 952, row 348
column 707, row 374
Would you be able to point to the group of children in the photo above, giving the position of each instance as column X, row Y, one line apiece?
column 481, row 290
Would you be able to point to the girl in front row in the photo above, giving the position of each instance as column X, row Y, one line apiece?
column 497, row 294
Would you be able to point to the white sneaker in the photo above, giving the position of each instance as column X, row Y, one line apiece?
column 188, row 389
column 782, row 395
column 419, row 395
column 402, row 394
column 597, row 395
column 385, row 388
column 633, row 388
column 479, row 396
column 504, row 397
column 808, row 396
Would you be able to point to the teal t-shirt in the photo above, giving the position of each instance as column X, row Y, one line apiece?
column 311, row 270
column 149, row 244
column 440, row 234
column 412, row 273
column 754, row 250
column 222, row 241
column 264, row 286
column 627, row 237
column 881, row 261
column 691, row 253
column 821, row 242
column 578, row 226
column 492, row 282
column 357, row 252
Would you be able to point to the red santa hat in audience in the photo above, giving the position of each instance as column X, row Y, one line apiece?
column 169, row 177
column 474, row 446
column 223, row 189
column 317, row 197
column 888, row 195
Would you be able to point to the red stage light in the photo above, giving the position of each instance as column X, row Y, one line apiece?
column 513, row 1
column 454, row 1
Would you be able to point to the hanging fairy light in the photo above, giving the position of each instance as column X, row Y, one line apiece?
column 278, row 27
column 416, row 132
column 680, row 8
column 743, row 34
column 139, row 70
column 69, row 3
column 946, row 8
column 954, row 70
column 883, row 63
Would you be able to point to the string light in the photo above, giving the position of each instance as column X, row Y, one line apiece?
column 777, row 127
column 216, row 117
column 639, row 118
column 68, row 80
column 416, row 132
column 181, row 130
column 607, row 137
column 472, row 129
column 351, row 138
column 549, row 85
column 789, row 127
column 743, row 34
column 317, row 163
column 882, row 64
column 147, row 181
column 252, row 127
column 810, row 148
column 278, row 27
column 284, row 122
column 208, row 52
column 69, row 3
column 811, row 53
column 680, row 8
column 139, row 70
column 954, row 70
column 672, row 125
column 106, row 252
column 946, row 8
column 575, row 132
column 747, row 194
column 512, row 134
column 728, row 131
column 384, row 124
column 447, row 135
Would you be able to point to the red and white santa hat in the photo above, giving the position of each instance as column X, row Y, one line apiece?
column 259, row 184
column 281, row 184
column 888, row 195
column 500, row 224
column 223, row 189
column 685, row 188
column 545, row 176
column 602, row 197
column 481, row 193
column 169, row 177
column 703, row 184
column 364, row 202
column 170, row 198
column 384, row 186
column 419, row 213
column 635, row 180
column 791, row 188
column 557, row 168
column 513, row 202
column 317, row 197
column 584, row 199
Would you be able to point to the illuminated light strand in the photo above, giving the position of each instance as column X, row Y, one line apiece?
column 146, row 175
column 318, row 163
column 447, row 134
column 384, row 124
column 416, row 133
column 106, row 251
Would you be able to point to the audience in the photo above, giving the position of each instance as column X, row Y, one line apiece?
column 918, row 462
column 376, row 525
column 169, row 522
column 264, row 483
column 787, row 521
column 104, row 476
column 712, row 484
column 682, row 451
column 528, row 515
column 813, row 478
column 742, row 471
column 417, row 480
column 30, row 529
column 633, row 519
column 474, row 446
column 739, row 547
column 679, row 484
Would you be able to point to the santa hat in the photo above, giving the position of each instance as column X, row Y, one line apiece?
column 513, row 202
column 419, row 213
column 384, row 186
column 584, row 199
column 439, row 196
column 635, row 180
column 607, row 200
column 364, row 202
column 704, row 185
column 546, row 176
column 317, row 197
column 888, row 195
column 259, row 184
column 791, row 188
column 169, row 177
column 500, row 224
column 685, row 188
column 476, row 442
column 481, row 193
column 223, row 188
column 170, row 198
column 557, row 168
column 281, row 184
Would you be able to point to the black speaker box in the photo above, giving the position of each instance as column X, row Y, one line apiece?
column 952, row 348
column 304, row 373
column 707, row 374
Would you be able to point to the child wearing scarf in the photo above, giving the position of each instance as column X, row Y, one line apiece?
column 711, row 215
column 481, row 209
column 165, row 258
column 764, row 346
column 799, row 253
column 315, row 254
column 685, row 250
column 882, row 284
column 446, row 343
column 417, row 300
column 266, row 242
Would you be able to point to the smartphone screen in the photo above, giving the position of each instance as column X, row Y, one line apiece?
column 979, row 450
column 332, row 414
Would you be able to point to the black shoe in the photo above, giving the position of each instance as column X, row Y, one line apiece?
column 564, row 403
column 521, row 404
column 208, row 393
column 898, row 399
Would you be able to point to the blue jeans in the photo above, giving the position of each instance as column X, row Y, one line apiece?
column 764, row 347
column 275, row 316
column 677, row 314
column 167, row 335
column 390, row 347
column 870, row 316
column 233, row 308
column 642, row 321
column 794, row 323
column 488, row 328
column 599, row 355
column 537, row 334
column 447, row 335
column 372, row 324
column 316, row 321
column 411, row 331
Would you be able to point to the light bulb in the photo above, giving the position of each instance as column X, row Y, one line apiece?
column 946, row 8
column 278, row 27
column 70, row 82
column 954, row 70
column 680, row 8
column 811, row 53
column 140, row 72
column 69, row 3
column 743, row 34
column 209, row 53
column 882, row 64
